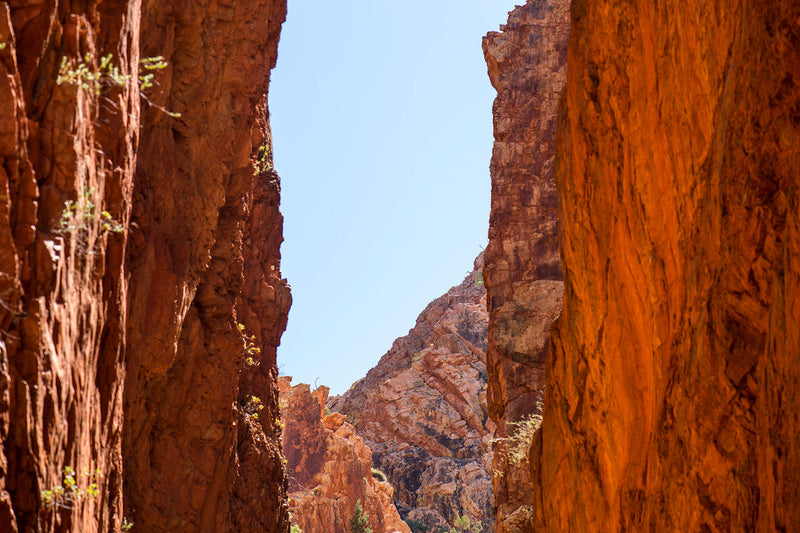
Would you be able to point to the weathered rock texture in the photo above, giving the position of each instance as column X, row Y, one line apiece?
column 330, row 467
column 62, row 293
column 204, row 258
column 527, row 66
column 672, row 394
column 422, row 411
column 100, row 323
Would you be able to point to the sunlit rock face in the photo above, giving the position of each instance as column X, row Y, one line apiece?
column 120, row 351
column 527, row 66
column 422, row 412
column 671, row 400
column 330, row 467
column 62, row 275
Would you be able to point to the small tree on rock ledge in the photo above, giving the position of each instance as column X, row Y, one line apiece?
column 358, row 524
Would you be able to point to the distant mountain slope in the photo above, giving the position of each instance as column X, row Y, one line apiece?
column 422, row 411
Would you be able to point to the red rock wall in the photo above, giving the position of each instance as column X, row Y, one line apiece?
column 672, row 398
column 62, row 293
column 527, row 67
column 204, row 258
column 140, row 325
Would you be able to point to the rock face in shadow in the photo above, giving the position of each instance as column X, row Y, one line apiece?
column 527, row 66
column 422, row 411
column 330, row 467
column 204, row 258
column 121, row 353
column 672, row 399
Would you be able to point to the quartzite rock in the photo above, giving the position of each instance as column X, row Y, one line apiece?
column 422, row 411
column 672, row 394
column 527, row 66
column 135, row 319
column 330, row 467
column 62, row 289
column 204, row 258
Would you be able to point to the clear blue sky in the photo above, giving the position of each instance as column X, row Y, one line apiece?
column 382, row 125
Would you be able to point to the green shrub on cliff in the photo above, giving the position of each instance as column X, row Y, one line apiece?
column 262, row 163
column 72, row 490
column 90, row 75
column 78, row 214
column 462, row 524
column 358, row 524
column 518, row 445
column 520, row 442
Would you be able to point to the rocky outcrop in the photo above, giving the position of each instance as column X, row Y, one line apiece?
column 671, row 400
column 330, row 467
column 421, row 410
column 133, row 242
column 527, row 66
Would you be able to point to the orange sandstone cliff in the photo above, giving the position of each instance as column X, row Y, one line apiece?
column 330, row 467
column 133, row 242
column 527, row 66
column 671, row 400
column 422, row 412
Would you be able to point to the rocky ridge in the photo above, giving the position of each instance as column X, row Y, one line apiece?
column 133, row 241
column 330, row 467
column 421, row 410
column 527, row 66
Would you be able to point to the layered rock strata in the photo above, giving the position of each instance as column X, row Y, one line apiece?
column 133, row 242
column 422, row 412
column 671, row 400
column 527, row 66
column 330, row 467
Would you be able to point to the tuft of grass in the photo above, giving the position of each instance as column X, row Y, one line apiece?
column 519, row 443
column 379, row 475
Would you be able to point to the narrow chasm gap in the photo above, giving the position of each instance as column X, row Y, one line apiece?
column 449, row 415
